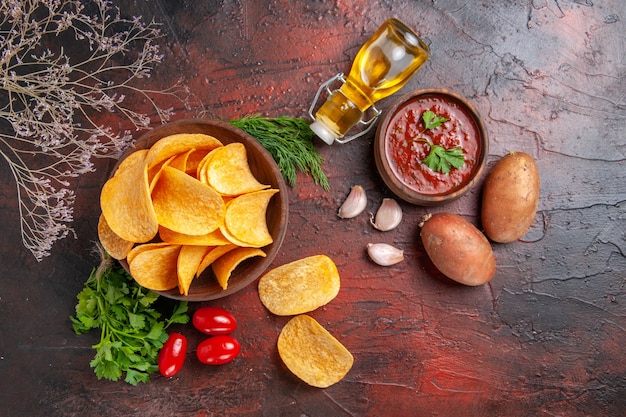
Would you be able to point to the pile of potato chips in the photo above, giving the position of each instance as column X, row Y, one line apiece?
column 186, row 203
column 306, row 348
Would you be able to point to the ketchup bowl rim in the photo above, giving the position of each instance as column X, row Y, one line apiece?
column 386, row 171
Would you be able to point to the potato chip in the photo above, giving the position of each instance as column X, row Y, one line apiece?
column 135, row 157
column 114, row 245
column 229, row 173
column 245, row 218
column 155, row 269
column 189, row 259
column 300, row 286
column 193, row 160
column 126, row 204
column 312, row 353
column 232, row 239
column 225, row 264
column 154, row 173
column 144, row 247
column 176, row 144
column 185, row 205
column 180, row 161
column 201, row 168
column 212, row 255
column 214, row 238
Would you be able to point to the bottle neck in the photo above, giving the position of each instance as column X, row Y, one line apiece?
column 358, row 95
column 338, row 114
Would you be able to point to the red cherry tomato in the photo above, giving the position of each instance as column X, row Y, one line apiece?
column 214, row 321
column 172, row 355
column 218, row 350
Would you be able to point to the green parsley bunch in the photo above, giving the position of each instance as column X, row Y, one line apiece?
column 132, row 330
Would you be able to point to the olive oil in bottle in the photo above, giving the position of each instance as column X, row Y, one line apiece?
column 383, row 65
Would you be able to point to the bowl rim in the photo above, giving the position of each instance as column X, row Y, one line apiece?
column 385, row 170
column 271, row 250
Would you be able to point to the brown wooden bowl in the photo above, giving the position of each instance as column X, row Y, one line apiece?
column 205, row 287
column 393, row 125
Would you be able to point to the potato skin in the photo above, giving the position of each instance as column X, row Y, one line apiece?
column 510, row 197
column 458, row 249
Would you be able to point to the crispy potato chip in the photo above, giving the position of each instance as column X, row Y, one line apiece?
column 232, row 239
column 154, row 173
column 245, row 218
column 180, row 161
column 137, row 156
column 155, row 269
column 193, row 161
column 201, row 168
column 185, row 205
column 114, row 245
column 179, row 143
column 228, row 171
column 312, row 353
column 300, row 286
column 214, row 238
column 212, row 255
column 189, row 259
column 144, row 247
column 225, row 264
column 126, row 204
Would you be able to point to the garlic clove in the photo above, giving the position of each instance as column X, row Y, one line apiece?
column 384, row 254
column 388, row 216
column 354, row 204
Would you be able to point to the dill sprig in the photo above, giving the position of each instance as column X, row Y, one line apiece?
column 289, row 141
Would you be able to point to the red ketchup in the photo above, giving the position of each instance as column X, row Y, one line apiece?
column 406, row 154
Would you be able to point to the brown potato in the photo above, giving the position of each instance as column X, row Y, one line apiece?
column 510, row 197
column 458, row 249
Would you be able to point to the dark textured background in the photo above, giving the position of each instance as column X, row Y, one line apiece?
column 546, row 337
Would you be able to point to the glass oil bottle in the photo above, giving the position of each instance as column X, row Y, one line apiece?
column 383, row 65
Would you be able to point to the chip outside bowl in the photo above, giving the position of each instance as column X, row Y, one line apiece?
column 205, row 287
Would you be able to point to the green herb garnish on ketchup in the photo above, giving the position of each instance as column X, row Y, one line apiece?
column 439, row 158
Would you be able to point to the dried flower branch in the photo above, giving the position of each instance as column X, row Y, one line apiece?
column 50, row 101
